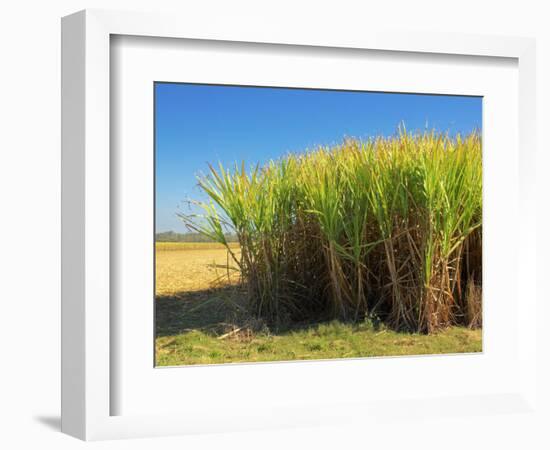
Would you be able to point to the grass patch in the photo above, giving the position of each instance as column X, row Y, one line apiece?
column 321, row 341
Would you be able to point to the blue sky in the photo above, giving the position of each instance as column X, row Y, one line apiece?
column 200, row 124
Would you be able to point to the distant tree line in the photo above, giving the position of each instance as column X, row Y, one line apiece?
column 171, row 236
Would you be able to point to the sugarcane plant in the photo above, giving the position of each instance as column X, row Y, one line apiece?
column 389, row 226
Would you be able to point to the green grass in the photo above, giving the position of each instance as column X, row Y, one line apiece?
column 322, row 341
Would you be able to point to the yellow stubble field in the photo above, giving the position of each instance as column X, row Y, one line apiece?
column 183, row 267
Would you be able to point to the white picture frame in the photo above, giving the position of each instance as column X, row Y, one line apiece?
column 88, row 331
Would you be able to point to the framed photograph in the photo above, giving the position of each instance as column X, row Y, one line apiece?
column 267, row 228
column 369, row 246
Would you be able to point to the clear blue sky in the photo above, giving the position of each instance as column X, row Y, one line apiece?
column 200, row 124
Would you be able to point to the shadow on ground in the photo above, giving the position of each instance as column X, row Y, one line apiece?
column 207, row 310
column 215, row 311
column 51, row 422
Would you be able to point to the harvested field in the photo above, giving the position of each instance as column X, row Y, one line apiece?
column 191, row 267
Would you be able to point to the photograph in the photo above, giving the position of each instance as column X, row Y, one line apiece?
column 296, row 223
